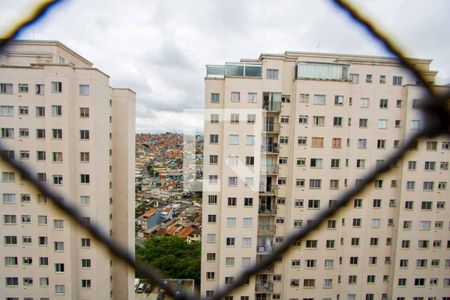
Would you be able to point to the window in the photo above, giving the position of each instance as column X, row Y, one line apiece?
column 309, row 283
column 356, row 222
column 304, row 98
column 337, row 121
column 85, row 283
column 362, row 143
column 232, row 201
column 6, row 111
column 303, row 119
column 42, row 220
column 40, row 155
column 9, row 198
column 397, row 123
column 319, row 99
column 382, row 123
column 284, row 119
column 210, row 256
column 23, row 87
column 428, row 185
column 364, row 103
column 300, row 183
column 84, row 112
column 354, row 78
column 59, row 246
column 23, row 110
column 315, row 183
column 352, row 279
column 384, row 103
column 7, row 133
column 60, row 288
column 84, row 134
column 229, row 261
column 284, row 140
column 56, row 110
column 232, row 181
column 211, row 218
column 419, row 282
column 57, row 179
column 431, row 145
column 302, row 140
column 249, row 139
column 316, row 163
column 311, row 244
column 397, row 80
column 43, row 241
column 298, row 203
column 338, row 100
column 6, row 88
column 317, row 142
column 84, row 90
column 381, row 144
column 336, row 143
column 9, row 219
column 215, row 97
column 234, row 118
column 57, row 134
column 319, row 121
column 85, row 243
column 58, row 224
column 335, row 163
column 12, row 281
column 329, row 263
column 330, row 244
column 248, row 202
column 210, row 275
column 353, row 260
column 56, row 87
column 415, row 124
column 334, row 184
column 210, row 238
column 363, row 123
column 235, row 96
column 272, row 73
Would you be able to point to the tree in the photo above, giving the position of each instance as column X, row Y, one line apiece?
column 173, row 257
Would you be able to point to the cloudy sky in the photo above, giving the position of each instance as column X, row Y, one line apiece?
column 160, row 48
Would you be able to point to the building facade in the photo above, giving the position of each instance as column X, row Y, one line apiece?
column 284, row 136
column 59, row 115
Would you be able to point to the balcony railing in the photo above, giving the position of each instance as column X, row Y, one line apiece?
column 272, row 106
column 269, row 190
column 264, row 249
column 269, row 169
column 271, row 128
column 266, row 229
column 264, row 287
column 267, row 211
column 270, row 148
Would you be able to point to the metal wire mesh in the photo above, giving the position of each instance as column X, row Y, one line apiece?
column 436, row 115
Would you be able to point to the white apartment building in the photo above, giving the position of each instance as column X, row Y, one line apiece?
column 284, row 136
column 59, row 115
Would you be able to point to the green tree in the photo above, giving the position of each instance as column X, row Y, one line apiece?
column 172, row 256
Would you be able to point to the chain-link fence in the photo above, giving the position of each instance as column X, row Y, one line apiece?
column 436, row 117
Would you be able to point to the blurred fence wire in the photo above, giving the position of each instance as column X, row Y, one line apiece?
column 436, row 116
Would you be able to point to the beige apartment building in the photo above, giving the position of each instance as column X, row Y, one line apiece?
column 285, row 134
column 59, row 116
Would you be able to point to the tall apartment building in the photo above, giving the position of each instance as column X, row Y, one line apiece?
column 284, row 136
column 59, row 115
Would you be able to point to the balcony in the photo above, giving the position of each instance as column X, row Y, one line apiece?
column 271, row 128
column 269, row 169
column 270, row 148
column 264, row 287
column 268, row 229
column 268, row 190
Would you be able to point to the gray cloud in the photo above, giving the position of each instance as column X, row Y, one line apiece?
column 160, row 48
